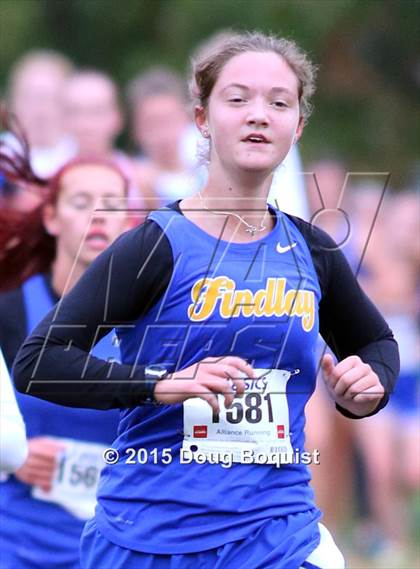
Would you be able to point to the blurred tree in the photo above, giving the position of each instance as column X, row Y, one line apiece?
column 367, row 51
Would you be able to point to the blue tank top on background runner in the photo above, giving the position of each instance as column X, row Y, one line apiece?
column 35, row 532
column 255, row 300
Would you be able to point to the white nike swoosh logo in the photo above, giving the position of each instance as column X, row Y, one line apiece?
column 281, row 249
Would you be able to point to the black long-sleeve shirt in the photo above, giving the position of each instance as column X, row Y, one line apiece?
column 131, row 276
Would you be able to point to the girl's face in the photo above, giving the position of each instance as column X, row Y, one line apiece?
column 73, row 220
column 253, row 113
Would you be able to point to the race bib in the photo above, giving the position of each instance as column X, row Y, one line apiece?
column 76, row 478
column 257, row 422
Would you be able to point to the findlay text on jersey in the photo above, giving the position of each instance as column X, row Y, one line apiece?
column 273, row 300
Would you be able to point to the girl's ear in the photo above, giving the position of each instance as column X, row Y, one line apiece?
column 49, row 219
column 299, row 130
column 201, row 120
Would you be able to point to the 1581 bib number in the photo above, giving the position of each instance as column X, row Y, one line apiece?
column 258, row 422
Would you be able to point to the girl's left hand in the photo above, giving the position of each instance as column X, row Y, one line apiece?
column 352, row 384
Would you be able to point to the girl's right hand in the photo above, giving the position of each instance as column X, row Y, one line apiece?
column 206, row 379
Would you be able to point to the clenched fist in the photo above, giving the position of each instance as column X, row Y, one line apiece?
column 352, row 384
column 206, row 379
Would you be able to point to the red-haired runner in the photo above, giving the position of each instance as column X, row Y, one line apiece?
column 43, row 253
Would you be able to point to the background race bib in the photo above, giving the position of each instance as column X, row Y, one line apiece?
column 76, row 478
column 258, row 421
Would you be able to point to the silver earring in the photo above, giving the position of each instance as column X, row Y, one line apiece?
column 205, row 133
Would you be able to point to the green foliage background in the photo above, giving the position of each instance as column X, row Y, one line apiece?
column 368, row 51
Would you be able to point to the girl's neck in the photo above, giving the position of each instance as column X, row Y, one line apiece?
column 241, row 192
column 231, row 212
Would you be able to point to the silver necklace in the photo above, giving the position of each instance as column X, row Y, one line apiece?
column 252, row 229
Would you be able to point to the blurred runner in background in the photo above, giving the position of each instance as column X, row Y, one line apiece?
column 95, row 120
column 163, row 132
column 390, row 442
column 43, row 254
column 35, row 96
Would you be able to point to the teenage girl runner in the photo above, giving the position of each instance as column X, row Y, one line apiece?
column 219, row 301
column 43, row 507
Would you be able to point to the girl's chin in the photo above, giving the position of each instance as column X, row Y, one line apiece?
column 259, row 163
column 257, row 166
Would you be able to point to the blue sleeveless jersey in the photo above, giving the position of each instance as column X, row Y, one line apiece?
column 255, row 300
column 34, row 532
